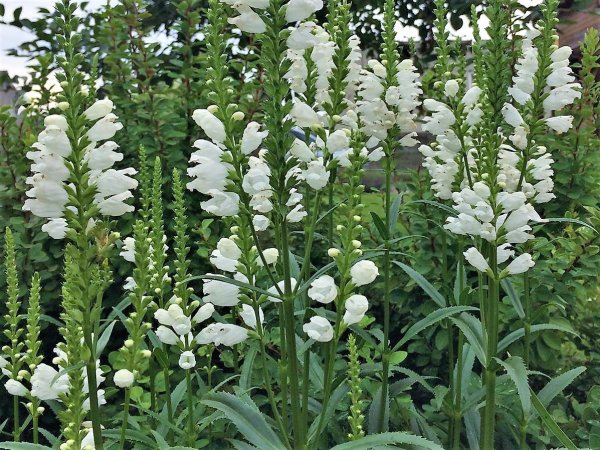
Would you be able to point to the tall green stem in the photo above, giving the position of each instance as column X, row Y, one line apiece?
column 17, row 430
column 190, row 404
column 290, row 332
column 385, row 355
column 491, row 332
column 125, row 418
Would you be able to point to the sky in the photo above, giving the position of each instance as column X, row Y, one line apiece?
column 11, row 37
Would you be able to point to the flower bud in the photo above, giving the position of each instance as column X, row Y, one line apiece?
column 212, row 109
column 63, row 106
column 238, row 116
column 333, row 252
column 129, row 343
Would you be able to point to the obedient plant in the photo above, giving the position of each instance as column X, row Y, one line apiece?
column 289, row 337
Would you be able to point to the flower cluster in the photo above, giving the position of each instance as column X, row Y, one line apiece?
column 53, row 164
column 494, row 194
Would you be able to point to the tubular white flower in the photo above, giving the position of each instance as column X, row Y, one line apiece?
column 364, row 272
column 211, row 125
column 123, row 378
column 222, row 333
column 356, row 308
column 249, row 316
column 16, row 388
column 98, row 110
column 297, row 10
column 323, row 289
column 46, row 384
column 247, row 21
column 303, row 115
column 220, row 293
column 105, row 128
column 204, row 313
column 316, row 175
column 319, row 329
column 301, row 151
column 187, row 360
column 252, row 138
column 520, row 264
column 477, row 260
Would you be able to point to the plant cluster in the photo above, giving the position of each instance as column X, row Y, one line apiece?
column 291, row 328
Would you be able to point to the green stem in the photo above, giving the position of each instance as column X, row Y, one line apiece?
column 290, row 332
column 385, row 355
column 17, row 430
column 190, row 401
column 527, row 319
column 93, row 397
column 491, row 328
column 457, row 418
column 125, row 418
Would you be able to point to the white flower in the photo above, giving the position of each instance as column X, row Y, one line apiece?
column 476, row 259
column 56, row 228
column 187, row 360
column 356, row 307
column 123, row 378
column 338, row 140
column 99, row 109
column 114, row 182
column 471, row 96
column 115, row 206
column 511, row 115
column 257, row 178
column 56, row 120
column 302, row 37
column 298, row 10
column 166, row 335
column 16, row 388
column 520, row 264
column 451, row 88
column 319, row 329
column 303, row 115
column 252, row 138
column 204, row 312
column 364, row 272
column 44, row 386
column 229, row 249
column 223, row 204
column 248, row 21
column 248, row 315
column 211, row 125
column 103, row 157
column 260, row 222
column 220, row 293
column 316, row 175
column 281, row 286
column 296, row 214
column 301, row 151
column 104, row 129
column 271, row 255
column 560, row 124
column 55, row 140
column 323, row 289
column 222, row 333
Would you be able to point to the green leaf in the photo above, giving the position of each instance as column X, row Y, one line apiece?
column 378, row 222
column 430, row 319
column 397, row 357
column 23, row 446
column 513, row 297
column 394, row 213
column 573, row 221
column 441, row 206
column 241, row 445
column 375, row 440
column 105, row 337
column 471, row 328
column 515, row 367
column 248, row 420
column 550, row 423
column 557, row 384
column 246, row 372
column 424, row 284
column 518, row 334
column 225, row 279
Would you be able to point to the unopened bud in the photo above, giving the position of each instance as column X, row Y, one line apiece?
column 238, row 116
column 333, row 252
